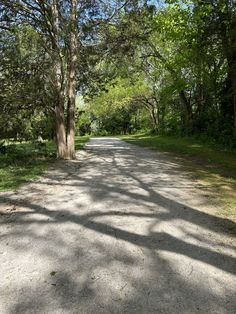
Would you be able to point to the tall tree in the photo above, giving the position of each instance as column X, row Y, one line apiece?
column 65, row 26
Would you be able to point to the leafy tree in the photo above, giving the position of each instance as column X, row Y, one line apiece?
column 65, row 27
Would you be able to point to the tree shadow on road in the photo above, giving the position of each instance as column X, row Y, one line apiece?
column 138, row 249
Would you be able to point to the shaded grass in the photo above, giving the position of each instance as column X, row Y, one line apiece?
column 27, row 161
column 209, row 164
column 80, row 141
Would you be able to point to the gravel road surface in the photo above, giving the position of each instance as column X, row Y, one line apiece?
column 122, row 229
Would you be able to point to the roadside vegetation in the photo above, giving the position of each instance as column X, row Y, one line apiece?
column 119, row 68
column 25, row 161
column 209, row 163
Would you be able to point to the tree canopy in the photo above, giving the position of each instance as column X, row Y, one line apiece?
column 161, row 66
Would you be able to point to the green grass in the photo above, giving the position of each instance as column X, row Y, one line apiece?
column 27, row 161
column 209, row 164
column 80, row 141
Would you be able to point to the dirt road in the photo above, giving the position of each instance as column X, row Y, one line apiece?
column 121, row 230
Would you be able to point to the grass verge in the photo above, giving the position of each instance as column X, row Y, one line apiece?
column 27, row 161
column 209, row 164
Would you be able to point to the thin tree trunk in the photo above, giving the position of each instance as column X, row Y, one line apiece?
column 232, row 90
column 72, row 82
column 232, row 59
column 150, row 107
column 188, row 115
column 228, row 36
column 154, row 119
column 232, row 76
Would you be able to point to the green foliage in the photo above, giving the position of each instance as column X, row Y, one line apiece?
column 25, row 161
column 116, row 109
column 24, row 97
column 178, row 70
column 169, row 69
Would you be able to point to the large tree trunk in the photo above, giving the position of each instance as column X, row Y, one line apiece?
column 72, row 82
column 60, row 132
column 59, row 86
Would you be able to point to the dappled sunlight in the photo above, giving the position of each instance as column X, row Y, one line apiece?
column 195, row 145
column 118, row 232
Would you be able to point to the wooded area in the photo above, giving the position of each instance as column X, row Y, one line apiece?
column 117, row 156
column 117, row 67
